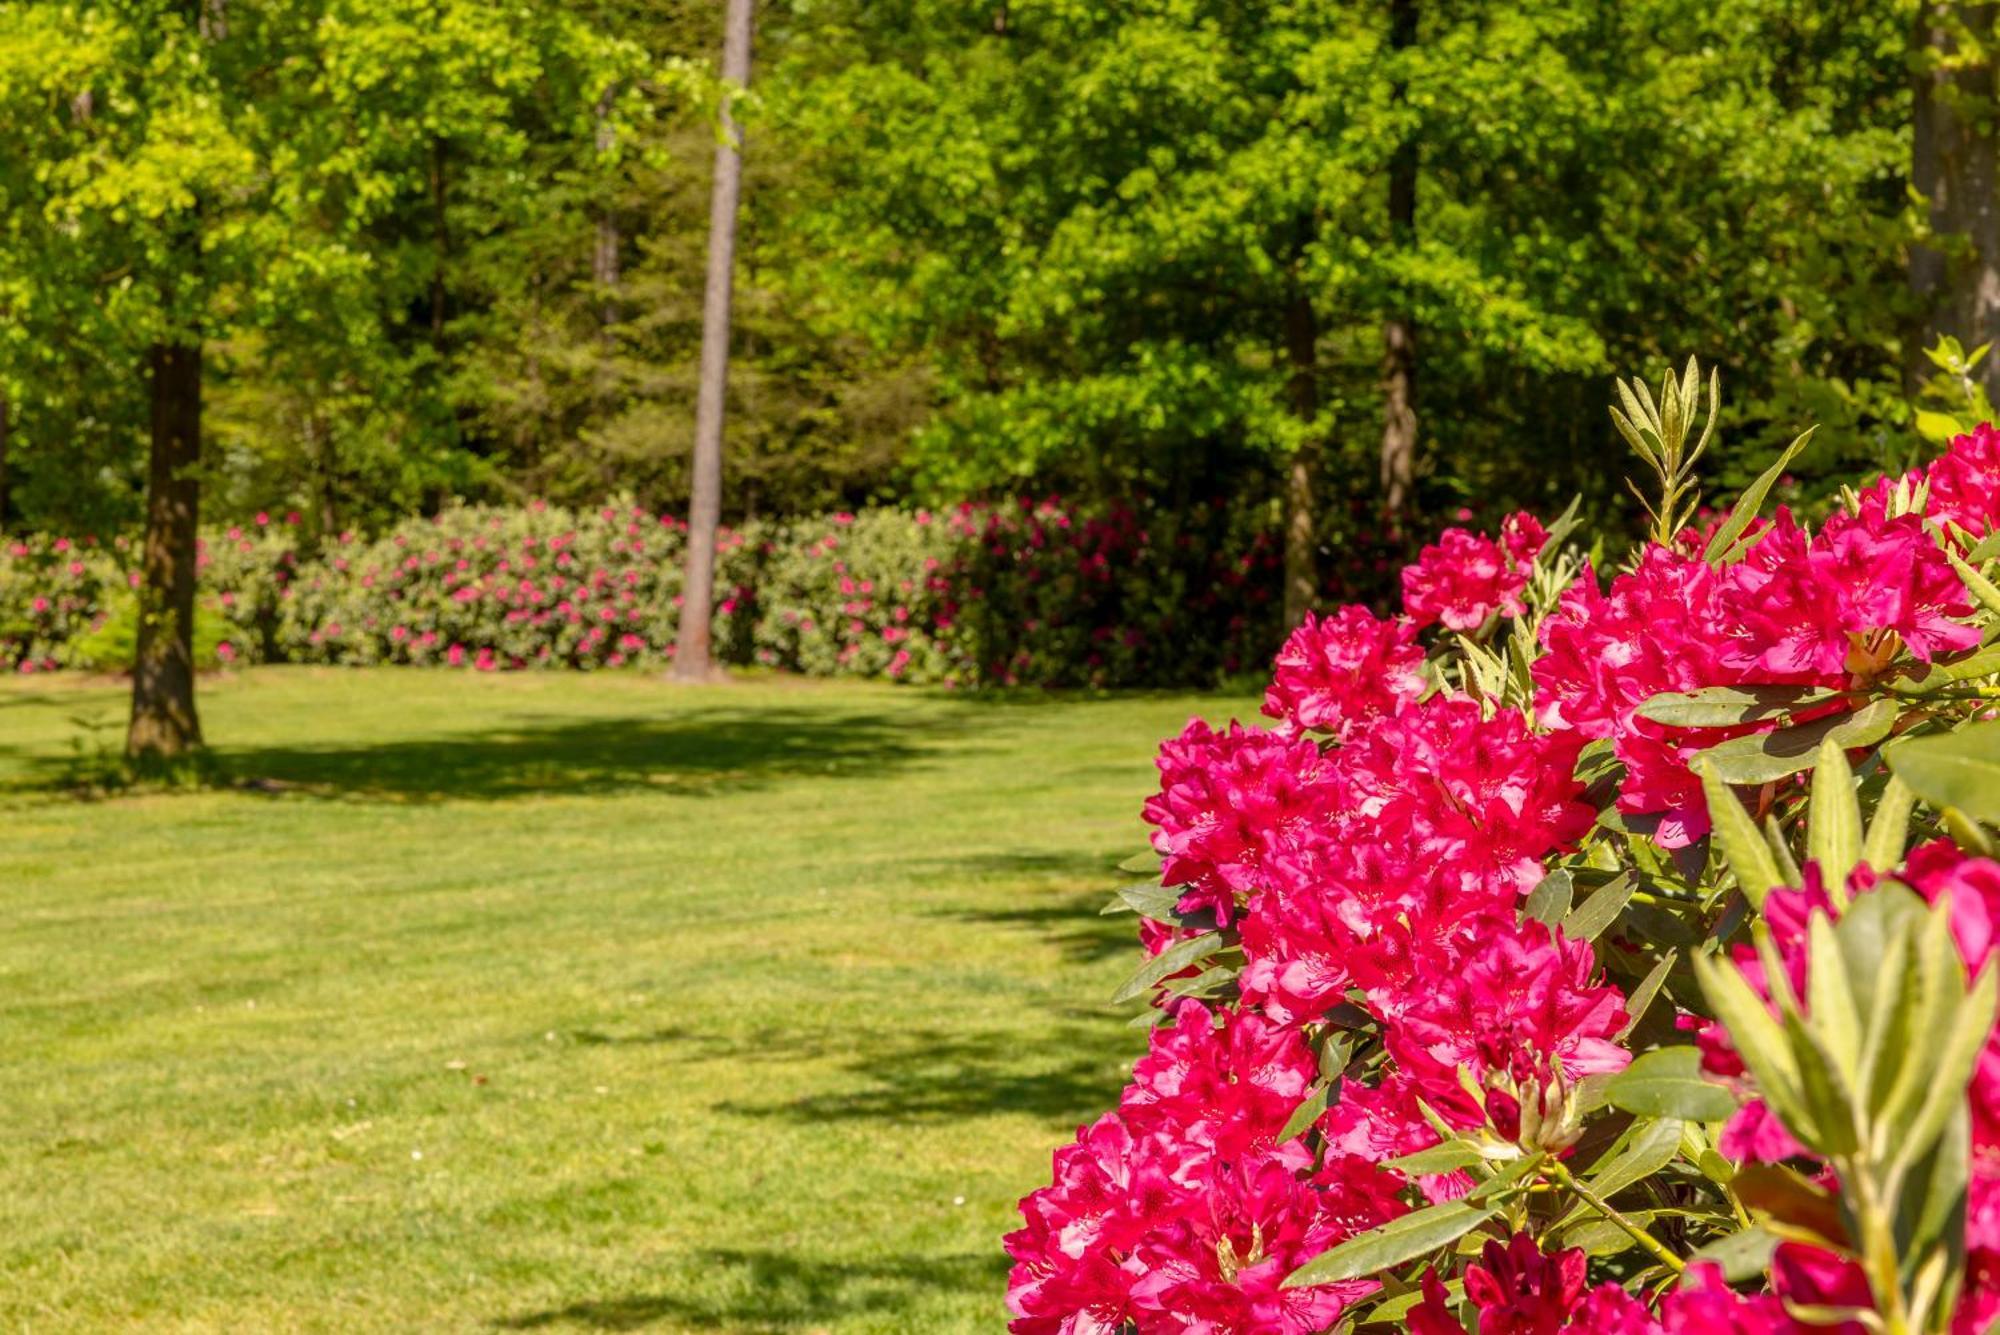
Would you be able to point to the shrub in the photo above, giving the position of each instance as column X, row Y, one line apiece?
column 1029, row 593
column 1558, row 959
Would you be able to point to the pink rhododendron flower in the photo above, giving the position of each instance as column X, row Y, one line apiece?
column 1344, row 671
column 1464, row 578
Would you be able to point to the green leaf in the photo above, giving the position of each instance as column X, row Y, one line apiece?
column 1763, row 757
column 1936, row 1190
column 1889, row 830
column 1956, row 1056
column 1836, row 1021
column 1208, row 983
column 1723, row 544
column 1415, row 1234
column 1180, row 955
column 1587, row 921
column 1976, row 584
column 1936, row 677
column 1756, row 870
column 1955, row 769
column 1667, row 1082
column 1307, row 1112
column 1394, row 1309
column 1649, row 1146
column 1640, row 999
column 1729, row 706
column 1449, row 1157
column 1742, row 1255
column 1758, row 1039
column 1937, row 427
column 1833, row 830
column 1147, row 900
column 1550, row 899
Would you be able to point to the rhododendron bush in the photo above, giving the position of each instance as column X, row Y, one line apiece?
column 1578, row 950
column 1021, row 592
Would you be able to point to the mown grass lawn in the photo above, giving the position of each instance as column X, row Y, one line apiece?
column 555, row 1002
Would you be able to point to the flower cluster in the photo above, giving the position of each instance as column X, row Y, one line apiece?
column 1406, row 942
column 1012, row 593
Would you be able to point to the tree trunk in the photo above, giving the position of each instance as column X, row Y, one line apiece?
column 604, row 254
column 693, row 652
column 6, row 443
column 1953, row 165
column 1399, row 332
column 1301, row 530
column 164, row 724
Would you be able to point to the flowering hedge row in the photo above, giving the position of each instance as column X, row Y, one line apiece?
column 1017, row 593
column 1558, row 960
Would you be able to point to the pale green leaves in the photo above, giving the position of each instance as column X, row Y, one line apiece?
column 1668, row 1083
column 1659, row 435
column 1959, row 770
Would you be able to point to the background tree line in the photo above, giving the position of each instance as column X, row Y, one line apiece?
column 1345, row 259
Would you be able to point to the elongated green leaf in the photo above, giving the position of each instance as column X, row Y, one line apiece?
column 1587, row 921
column 1650, row 1146
column 1940, row 992
column 1936, row 677
column 1756, row 870
column 1180, row 955
column 1976, row 584
column 1668, row 1083
column 1758, row 1039
column 1147, row 900
column 1956, row 1056
column 1308, row 1112
column 1415, row 1234
column 1836, row 1021
column 1398, row 1307
column 1762, row 757
column 1641, row 997
column 1956, row 769
column 1889, row 830
column 1833, row 828
column 1728, row 706
column 1741, row 1255
column 1937, row 1183
column 1723, row 544
column 1449, row 1157
column 1208, row 983
column 1829, row 1125
column 1550, row 899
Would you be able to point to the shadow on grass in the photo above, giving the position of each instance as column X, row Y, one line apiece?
column 697, row 752
column 780, row 1291
column 1063, row 1075
column 1074, row 923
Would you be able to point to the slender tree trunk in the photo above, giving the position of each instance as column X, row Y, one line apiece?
column 1954, row 166
column 1399, row 331
column 164, row 724
column 693, row 652
column 6, row 445
column 604, row 254
column 1302, row 584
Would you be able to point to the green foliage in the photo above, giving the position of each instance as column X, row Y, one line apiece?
column 111, row 645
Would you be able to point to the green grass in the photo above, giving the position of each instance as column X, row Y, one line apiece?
column 555, row 1002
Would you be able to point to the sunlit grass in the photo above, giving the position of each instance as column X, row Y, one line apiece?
column 555, row 1002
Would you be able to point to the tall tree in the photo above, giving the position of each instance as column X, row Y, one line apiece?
column 1399, row 333
column 1955, row 169
column 693, row 656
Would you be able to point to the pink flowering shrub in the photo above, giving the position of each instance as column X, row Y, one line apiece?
column 1013, row 593
column 1562, row 968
